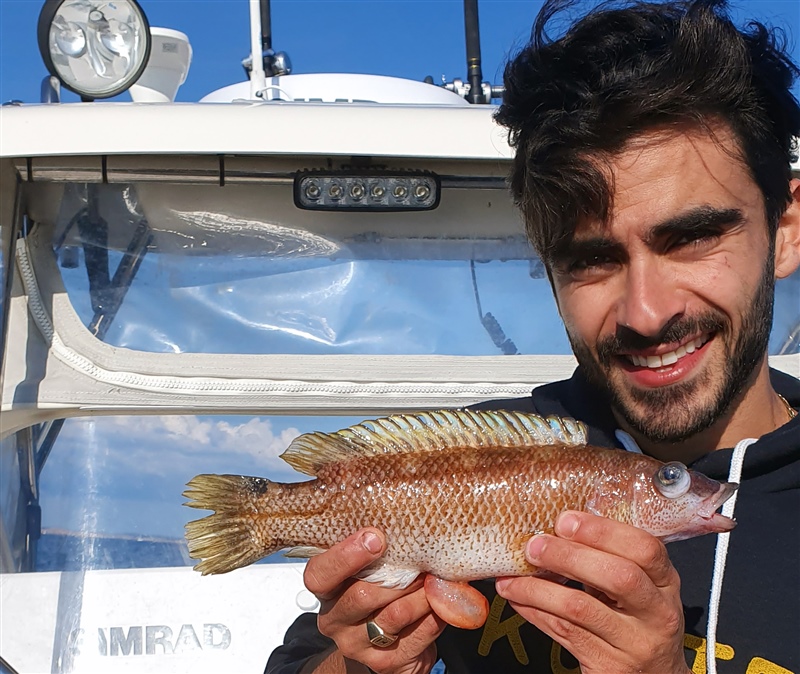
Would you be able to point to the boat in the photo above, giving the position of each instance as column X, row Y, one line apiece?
column 186, row 287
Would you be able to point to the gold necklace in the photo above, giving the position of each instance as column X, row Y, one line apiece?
column 791, row 410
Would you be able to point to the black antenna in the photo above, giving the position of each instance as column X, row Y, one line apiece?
column 266, row 26
column 473, row 32
column 275, row 63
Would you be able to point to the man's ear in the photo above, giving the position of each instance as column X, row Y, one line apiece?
column 787, row 241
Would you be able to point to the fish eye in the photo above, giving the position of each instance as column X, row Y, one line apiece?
column 673, row 479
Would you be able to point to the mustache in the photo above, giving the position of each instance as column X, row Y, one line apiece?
column 627, row 339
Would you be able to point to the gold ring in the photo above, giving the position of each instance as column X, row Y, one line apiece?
column 378, row 637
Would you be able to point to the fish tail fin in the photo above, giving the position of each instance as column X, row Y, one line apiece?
column 230, row 538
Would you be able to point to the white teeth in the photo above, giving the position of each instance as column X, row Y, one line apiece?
column 654, row 362
column 669, row 358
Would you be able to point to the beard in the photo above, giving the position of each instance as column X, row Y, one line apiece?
column 678, row 411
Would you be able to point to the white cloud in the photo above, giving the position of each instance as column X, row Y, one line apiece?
column 159, row 445
column 190, row 427
column 255, row 435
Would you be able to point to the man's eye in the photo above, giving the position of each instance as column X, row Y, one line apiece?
column 590, row 263
column 696, row 238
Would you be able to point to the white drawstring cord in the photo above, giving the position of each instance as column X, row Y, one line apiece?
column 720, row 555
column 627, row 441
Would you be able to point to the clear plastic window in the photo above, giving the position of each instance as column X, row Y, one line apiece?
column 113, row 589
column 111, row 488
column 240, row 269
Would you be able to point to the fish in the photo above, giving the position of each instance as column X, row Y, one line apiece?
column 457, row 493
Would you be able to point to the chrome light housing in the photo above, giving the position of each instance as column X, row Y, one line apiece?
column 96, row 48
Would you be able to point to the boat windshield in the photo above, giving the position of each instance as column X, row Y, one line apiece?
column 192, row 268
column 240, row 269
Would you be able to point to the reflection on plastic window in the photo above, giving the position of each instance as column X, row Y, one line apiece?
column 256, row 275
column 357, row 306
column 247, row 272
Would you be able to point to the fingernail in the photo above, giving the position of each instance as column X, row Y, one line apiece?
column 567, row 525
column 501, row 584
column 371, row 542
column 535, row 548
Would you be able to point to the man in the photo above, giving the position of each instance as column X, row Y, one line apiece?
column 653, row 148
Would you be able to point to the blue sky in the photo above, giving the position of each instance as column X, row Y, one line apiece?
column 404, row 38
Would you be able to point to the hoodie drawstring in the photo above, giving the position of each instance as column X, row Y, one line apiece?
column 720, row 555
column 627, row 442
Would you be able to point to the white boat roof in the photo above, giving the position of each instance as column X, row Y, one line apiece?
column 248, row 128
column 255, row 128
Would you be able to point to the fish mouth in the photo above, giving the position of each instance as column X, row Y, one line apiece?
column 719, row 524
column 708, row 509
column 707, row 520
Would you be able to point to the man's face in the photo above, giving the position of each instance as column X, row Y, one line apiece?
column 668, row 307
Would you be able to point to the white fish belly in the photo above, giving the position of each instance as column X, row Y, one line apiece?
column 477, row 552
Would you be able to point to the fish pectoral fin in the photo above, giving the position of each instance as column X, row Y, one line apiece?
column 386, row 575
column 303, row 551
column 458, row 604
column 592, row 507
column 611, row 507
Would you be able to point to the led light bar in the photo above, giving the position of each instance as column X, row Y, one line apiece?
column 368, row 191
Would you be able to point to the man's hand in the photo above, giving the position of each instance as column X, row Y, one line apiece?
column 347, row 604
column 630, row 619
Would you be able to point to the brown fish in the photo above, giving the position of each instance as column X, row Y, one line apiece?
column 458, row 494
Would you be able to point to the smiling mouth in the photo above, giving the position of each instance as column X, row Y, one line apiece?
column 670, row 358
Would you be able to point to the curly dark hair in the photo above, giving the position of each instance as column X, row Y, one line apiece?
column 628, row 67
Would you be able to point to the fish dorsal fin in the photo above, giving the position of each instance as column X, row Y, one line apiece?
column 430, row 432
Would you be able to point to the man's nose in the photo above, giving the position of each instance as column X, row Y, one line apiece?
column 650, row 299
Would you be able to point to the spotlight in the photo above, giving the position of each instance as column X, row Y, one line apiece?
column 96, row 48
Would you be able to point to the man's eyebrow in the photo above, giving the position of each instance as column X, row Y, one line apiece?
column 698, row 219
column 580, row 248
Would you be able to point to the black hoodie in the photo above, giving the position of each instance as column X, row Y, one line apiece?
column 759, row 611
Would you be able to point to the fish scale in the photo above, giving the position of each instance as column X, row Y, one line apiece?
column 452, row 497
